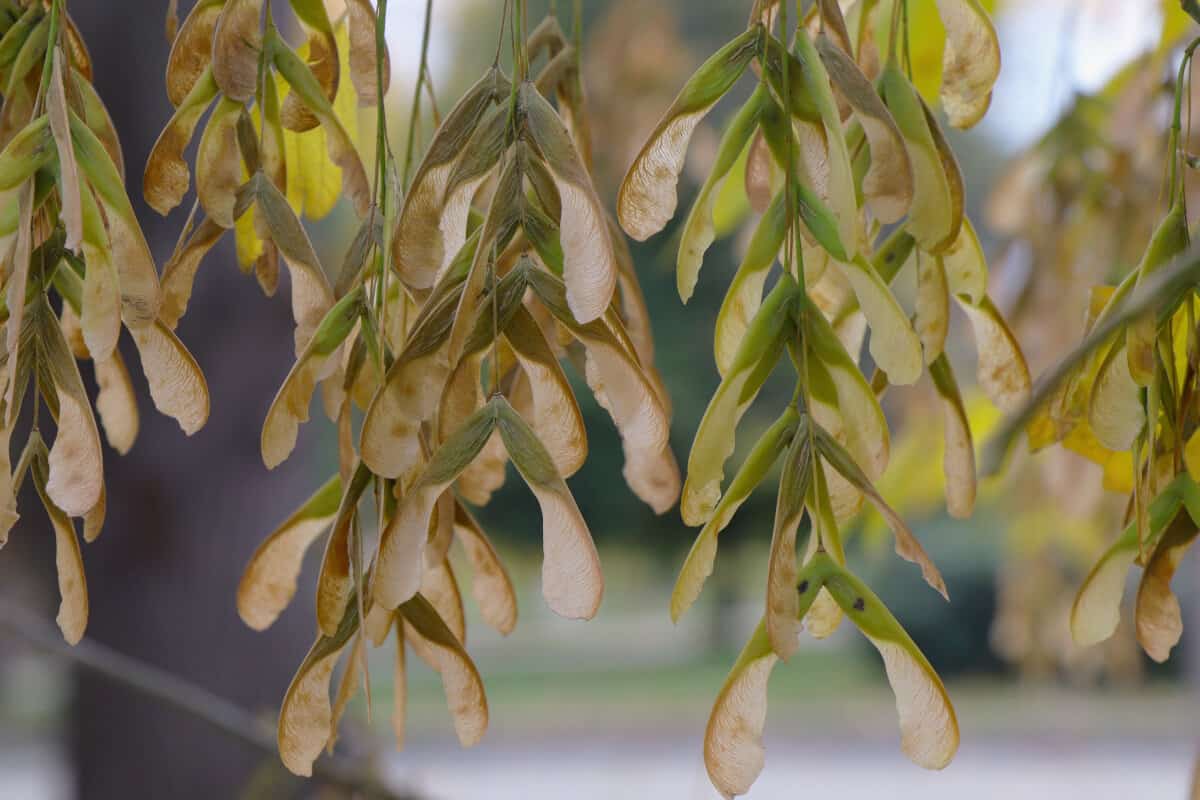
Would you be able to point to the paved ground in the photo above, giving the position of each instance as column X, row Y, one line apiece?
column 984, row 771
column 613, row 769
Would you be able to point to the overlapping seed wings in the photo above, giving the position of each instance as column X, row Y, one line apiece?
column 444, row 332
column 69, row 240
column 828, row 156
column 1125, row 399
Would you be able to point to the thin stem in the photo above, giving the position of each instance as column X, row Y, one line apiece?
column 261, row 89
column 414, row 114
column 894, row 33
column 500, row 37
column 48, row 61
column 183, row 696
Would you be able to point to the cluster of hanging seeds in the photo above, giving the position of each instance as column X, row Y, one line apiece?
column 835, row 147
column 76, row 268
column 1127, row 400
column 438, row 346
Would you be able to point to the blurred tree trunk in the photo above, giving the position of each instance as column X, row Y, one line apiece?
column 184, row 514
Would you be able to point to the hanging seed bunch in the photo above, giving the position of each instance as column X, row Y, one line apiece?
column 279, row 141
column 833, row 148
column 443, row 348
column 69, row 241
column 1076, row 209
column 1128, row 402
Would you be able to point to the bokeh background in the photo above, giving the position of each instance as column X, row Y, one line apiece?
column 614, row 708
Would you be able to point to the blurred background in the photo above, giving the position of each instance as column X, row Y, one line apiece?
column 616, row 707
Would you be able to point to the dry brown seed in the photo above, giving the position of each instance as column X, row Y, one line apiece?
column 733, row 749
column 572, row 582
column 418, row 252
column 167, row 177
column 440, row 588
column 305, row 718
column 363, row 62
column 888, row 184
column 1002, row 371
column 623, row 390
column 116, row 403
column 399, row 687
column 971, row 62
column 1157, row 615
column 76, row 464
column 218, row 165
column 647, row 198
column 81, row 60
column 555, row 415
column 177, row 386
column 236, row 44
column 191, row 51
column 93, row 521
column 72, row 582
column 312, row 296
column 460, row 679
column 179, row 274
column 348, row 685
column 490, row 585
column 589, row 266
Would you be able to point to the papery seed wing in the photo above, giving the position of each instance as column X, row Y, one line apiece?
column 970, row 63
column 269, row 581
column 702, row 557
column 647, row 197
column 928, row 724
column 571, row 579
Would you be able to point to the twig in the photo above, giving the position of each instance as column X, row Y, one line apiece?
column 1165, row 284
column 183, row 696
